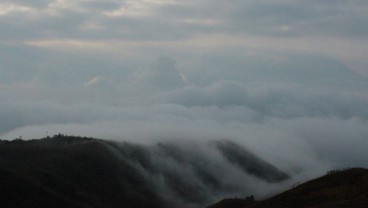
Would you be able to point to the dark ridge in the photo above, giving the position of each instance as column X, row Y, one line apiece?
column 85, row 172
column 249, row 162
column 22, row 191
column 65, row 171
column 342, row 188
column 232, row 203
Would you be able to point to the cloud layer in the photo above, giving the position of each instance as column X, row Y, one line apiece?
column 283, row 78
column 269, row 103
column 162, row 20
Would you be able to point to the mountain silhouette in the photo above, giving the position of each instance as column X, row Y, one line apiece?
column 69, row 171
column 340, row 188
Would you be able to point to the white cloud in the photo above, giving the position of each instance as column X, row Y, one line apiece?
column 12, row 8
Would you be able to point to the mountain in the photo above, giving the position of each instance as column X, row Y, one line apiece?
column 69, row 171
column 341, row 188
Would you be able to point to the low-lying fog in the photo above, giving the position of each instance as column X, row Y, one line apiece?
column 302, row 113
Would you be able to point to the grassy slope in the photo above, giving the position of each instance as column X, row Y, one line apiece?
column 347, row 188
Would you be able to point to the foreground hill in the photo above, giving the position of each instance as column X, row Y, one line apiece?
column 345, row 188
column 67, row 171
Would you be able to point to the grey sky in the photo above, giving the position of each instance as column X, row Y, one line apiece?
column 269, row 74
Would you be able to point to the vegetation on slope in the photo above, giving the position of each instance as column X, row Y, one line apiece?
column 65, row 171
column 341, row 188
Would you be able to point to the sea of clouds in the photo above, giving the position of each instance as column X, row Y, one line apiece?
column 305, row 114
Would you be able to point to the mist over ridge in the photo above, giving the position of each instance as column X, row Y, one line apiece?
column 87, row 172
column 200, row 94
column 310, row 109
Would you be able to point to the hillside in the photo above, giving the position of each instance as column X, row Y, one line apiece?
column 68, row 171
column 343, row 188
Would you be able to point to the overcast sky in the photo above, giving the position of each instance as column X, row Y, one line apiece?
column 287, row 74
